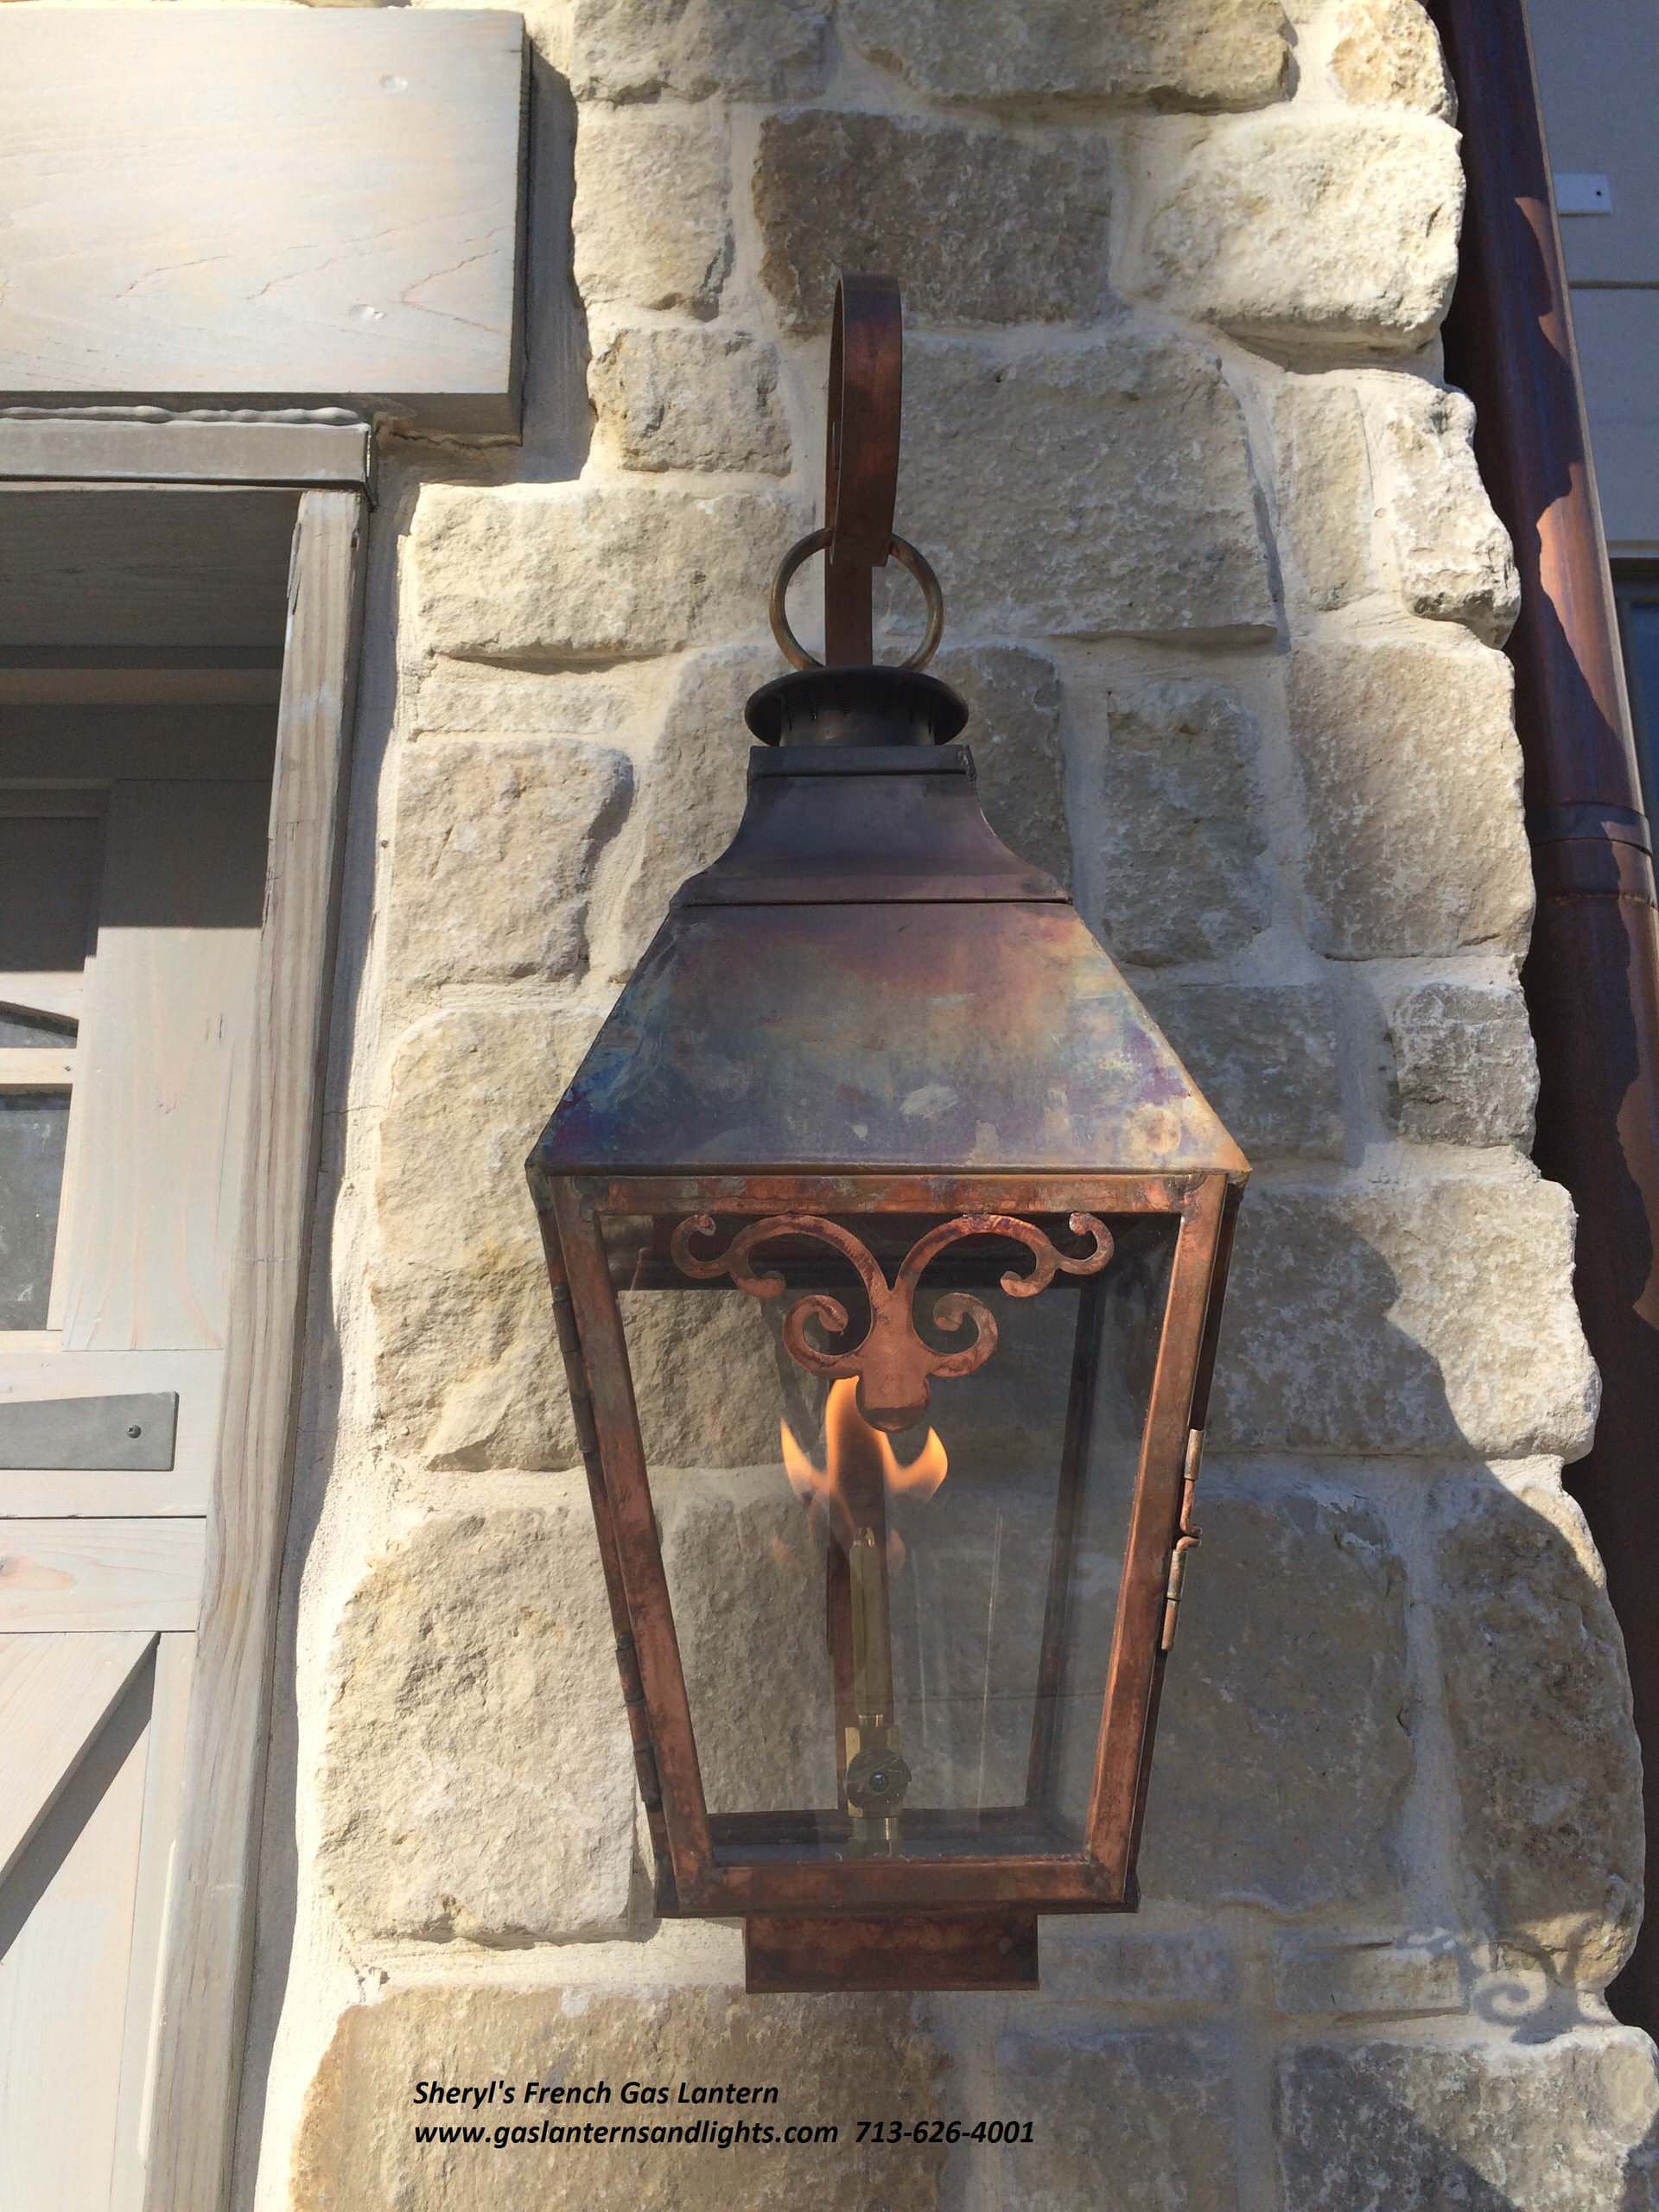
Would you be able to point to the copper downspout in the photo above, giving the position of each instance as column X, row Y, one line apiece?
column 1591, row 978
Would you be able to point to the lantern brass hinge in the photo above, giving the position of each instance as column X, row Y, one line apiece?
column 1186, row 1539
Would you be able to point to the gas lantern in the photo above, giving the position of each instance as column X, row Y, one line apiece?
column 877, row 1121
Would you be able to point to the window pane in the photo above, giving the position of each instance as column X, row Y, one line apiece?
column 33, row 1028
column 32, row 1124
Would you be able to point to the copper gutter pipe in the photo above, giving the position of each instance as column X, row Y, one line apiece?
column 1591, row 978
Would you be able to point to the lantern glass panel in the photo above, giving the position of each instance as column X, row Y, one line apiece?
column 895, row 1641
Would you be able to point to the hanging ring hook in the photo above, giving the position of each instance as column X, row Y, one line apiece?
column 901, row 551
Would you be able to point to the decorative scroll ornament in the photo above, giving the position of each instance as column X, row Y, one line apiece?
column 892, row 1362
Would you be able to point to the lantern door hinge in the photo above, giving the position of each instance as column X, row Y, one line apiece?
column 1186, row 1540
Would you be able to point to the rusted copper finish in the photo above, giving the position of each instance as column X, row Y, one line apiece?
column 861, row 456
column 891, row 1362
column 871, row 1032
column 907, row 555
column 911, row 1950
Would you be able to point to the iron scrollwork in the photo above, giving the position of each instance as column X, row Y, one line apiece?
column 892, row 1362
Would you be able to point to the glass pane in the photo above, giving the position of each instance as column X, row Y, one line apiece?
column 27, row 1029
column 895, row 1639
column 32, row 1124
column 1638, row 608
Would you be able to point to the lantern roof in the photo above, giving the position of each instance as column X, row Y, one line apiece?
column 867, row 980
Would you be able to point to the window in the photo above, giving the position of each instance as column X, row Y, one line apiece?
column 50, row 851
column 1636, row 588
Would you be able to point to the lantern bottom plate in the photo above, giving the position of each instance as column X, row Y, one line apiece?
column 825, row 1952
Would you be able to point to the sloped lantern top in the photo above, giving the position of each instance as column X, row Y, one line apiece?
column 867, row 980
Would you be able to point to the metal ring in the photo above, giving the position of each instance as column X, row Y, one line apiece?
column 907, row 556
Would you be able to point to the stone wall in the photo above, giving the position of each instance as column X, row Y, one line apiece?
column 1226, row 598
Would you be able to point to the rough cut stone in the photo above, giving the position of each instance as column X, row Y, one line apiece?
column 1387, row 55
column 465, row 698
column 655, row 49
column 1266, row 1057
column 466, row 1372
column 1323, row 488
column 1412, row 777
column 494, row 855
column 690, row 399
column 477, row 1777
column 1547, row 1764
column 1139, row 2119
column 1311, row 1973
column 1172, row 870
column 1422, row 1317
column 652, row 223
column 1136, row 507
column 569, row 572
column 1464, row 1071
column 1335, row 232
column 692, row 784
column 1283, row 1756
column 1089, row 1960
column 746, row 1576
column 1452, row 555
column 829, row 2057
column 1014, row 735
column 1189, row 53
column 1564, row 2125
column 1013, row 232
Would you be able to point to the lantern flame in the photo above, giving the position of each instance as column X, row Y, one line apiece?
column 860, row 1467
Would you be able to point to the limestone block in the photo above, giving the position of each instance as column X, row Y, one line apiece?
column 466, row 1372
column 745, row 1577
column 467, row 698
column 651, row 222
column 1135, row 511
column 1089, row 1960
column 1388, row 55
column 570, row 572
column 1311, row 1973
column 1014, row 232
column 690, row 399
column 692, row 784
column 1428, row 1317
column 1464, row 1071
column 1173, row 845
column 826, row 2057
column 627, row 50
column 1202, row 53
column 1411, row 774
column 1453, row 557
column 1282, row 1757
column 477, row 1777
column 1323, row 490
column 1548, row 1765
column 1563, row 2125
column 1140, row 2120
column 492, row 857
column 1265, row 1055
column 1014, row 735
column 1330, row 232
column 705, row 1373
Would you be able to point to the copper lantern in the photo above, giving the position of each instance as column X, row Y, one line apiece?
column 878, row 1120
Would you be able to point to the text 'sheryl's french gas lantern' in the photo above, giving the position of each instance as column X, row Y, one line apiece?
column 874, row 1083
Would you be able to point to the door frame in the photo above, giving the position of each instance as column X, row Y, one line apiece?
column 207, row 1949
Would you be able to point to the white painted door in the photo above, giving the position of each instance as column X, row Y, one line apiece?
column 129, row 913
